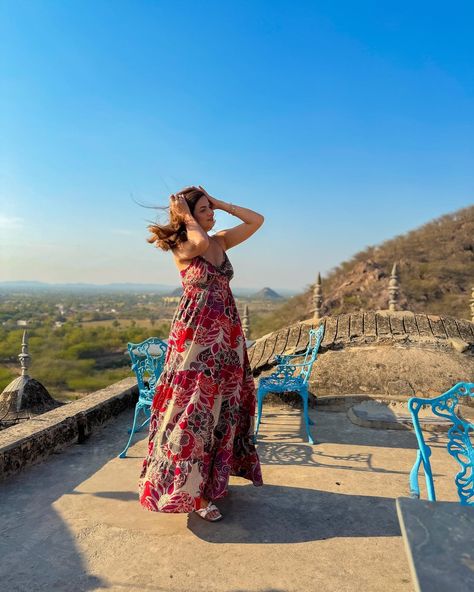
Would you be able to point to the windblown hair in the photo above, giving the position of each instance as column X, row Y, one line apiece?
column 168, row 236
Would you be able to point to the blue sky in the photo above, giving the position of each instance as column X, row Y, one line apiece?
column 344, row 123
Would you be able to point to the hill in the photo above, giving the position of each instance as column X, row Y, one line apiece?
column 267, row 294
column 435, row 265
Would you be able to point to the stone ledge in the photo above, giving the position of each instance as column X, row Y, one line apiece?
column 381, row 414
column 377, row 415
column 35, row 439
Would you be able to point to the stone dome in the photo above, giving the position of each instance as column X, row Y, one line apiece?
column 24, row 397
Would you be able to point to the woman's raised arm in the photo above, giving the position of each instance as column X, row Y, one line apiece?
column 238, row 234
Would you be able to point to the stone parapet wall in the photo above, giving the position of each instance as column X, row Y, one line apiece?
column 33, row 440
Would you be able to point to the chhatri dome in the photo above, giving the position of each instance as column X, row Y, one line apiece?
column 24, row 396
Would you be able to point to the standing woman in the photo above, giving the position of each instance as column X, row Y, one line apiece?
column 201, row 427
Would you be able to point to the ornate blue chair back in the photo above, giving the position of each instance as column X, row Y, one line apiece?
column 147, row 358
column 315, row 338
column 460, row 441
column 286, row 369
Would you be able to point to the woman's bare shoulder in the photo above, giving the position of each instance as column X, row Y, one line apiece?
column 180, row 259
column 221, row 240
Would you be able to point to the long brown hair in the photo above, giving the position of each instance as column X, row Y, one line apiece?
column 168, row 236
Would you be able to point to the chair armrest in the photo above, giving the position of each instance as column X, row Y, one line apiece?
column 281, row 358
column 296, row 365
column 283, row 372
column 285, row 368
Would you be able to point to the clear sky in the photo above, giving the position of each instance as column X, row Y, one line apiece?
column 344, row 123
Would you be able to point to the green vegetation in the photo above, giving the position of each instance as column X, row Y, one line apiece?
column 72, row 360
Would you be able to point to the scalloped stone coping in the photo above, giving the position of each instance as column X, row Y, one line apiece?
column 395, row 353
column 33, row 440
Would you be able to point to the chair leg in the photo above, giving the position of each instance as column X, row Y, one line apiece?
column 260, row 395
column 142, row 425
column 422, row 456
column 304, row 396
column 430, row 490
column 414, row 487
column 147, row 414
column 123, row 454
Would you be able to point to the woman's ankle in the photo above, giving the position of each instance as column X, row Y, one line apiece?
column 203, row 503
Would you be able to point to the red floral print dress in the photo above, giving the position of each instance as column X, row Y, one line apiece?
column 201, row 427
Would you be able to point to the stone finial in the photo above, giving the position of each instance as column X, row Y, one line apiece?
column 393, row 289
column 24, row 357
column 472, row 304
column 246, row 322
column 317, row 299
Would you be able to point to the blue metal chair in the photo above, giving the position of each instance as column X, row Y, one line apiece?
column 459, row 444
column 148, row 358
column 287, row 378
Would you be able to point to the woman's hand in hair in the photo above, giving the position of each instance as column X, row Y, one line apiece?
column 179, row 206
column 216, row 203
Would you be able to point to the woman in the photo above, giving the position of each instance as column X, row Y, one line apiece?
column 201, row 427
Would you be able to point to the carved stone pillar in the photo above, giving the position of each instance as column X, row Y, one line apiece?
column 317, row 299
column 393, row 289
column 246, row 322
column 24, row 357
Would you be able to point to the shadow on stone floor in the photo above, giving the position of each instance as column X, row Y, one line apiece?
column 33, row 537
column 280, row 515
column 281, row 453
column 331, row 427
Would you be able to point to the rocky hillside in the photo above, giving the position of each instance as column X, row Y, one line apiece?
column 436, row 269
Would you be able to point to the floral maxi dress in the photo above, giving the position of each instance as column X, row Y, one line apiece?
column 201, row 425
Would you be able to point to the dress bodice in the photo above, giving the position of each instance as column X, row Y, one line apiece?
column 204, row 274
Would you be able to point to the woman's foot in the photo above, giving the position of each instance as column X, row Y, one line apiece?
column 208, row 511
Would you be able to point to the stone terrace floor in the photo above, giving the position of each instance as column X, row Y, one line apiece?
column 325, row 519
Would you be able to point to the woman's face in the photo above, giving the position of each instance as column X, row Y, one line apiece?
column 204, row 214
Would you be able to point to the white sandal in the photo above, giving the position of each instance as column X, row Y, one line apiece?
column 203, row 512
